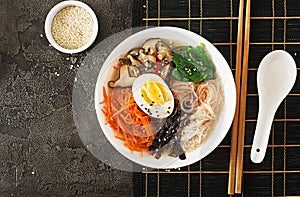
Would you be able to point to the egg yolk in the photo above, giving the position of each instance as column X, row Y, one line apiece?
column 154, row 93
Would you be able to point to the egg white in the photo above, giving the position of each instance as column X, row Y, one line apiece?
column 156, row 111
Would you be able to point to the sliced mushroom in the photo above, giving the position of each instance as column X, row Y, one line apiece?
column 125, row 80
column 164, row 51
column 133, row 61
column 146, row 58
column 124, row 61
column 134, row 52
column 149, row 45
column 145, row 68
column 134, row 71
column 165, row 71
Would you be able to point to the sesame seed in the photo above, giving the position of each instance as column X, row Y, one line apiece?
column 72, row 27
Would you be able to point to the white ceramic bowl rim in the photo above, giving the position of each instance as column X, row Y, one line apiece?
column 51, row 16
column 226, row 116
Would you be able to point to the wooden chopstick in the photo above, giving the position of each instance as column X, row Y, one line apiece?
column 242, row 109
column 234, row 133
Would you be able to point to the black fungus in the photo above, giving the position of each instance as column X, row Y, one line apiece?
column 166, row 139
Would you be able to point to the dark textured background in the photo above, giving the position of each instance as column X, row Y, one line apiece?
column 40, row 151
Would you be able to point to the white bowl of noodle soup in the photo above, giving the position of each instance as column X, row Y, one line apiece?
column 226, row 109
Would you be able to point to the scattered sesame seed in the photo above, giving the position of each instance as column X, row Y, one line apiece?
column 295, row 54
column 41, row 35
column 75, row 79
column 67, row 58
column 71, row 66
column 32, row 172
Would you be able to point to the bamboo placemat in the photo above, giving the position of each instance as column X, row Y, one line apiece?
column 275, row 24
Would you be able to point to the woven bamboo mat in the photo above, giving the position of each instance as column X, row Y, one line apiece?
column 275, row 24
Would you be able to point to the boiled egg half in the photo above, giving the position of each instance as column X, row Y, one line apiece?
column 153, row 95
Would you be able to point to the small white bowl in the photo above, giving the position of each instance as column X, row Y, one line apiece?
column 55, row 10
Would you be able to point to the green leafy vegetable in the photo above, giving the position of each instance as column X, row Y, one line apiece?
column 192, row 64
column 178, row 76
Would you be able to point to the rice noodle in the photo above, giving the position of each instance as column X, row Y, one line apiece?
column 210, row 99
column 186, row 95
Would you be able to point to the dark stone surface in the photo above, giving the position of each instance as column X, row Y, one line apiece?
column 41, row 153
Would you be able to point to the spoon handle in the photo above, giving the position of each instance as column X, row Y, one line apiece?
column 262, row 133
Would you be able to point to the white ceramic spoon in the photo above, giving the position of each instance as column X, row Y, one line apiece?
column 276, row 76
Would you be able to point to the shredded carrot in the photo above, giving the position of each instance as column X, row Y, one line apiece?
column 130, row 124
